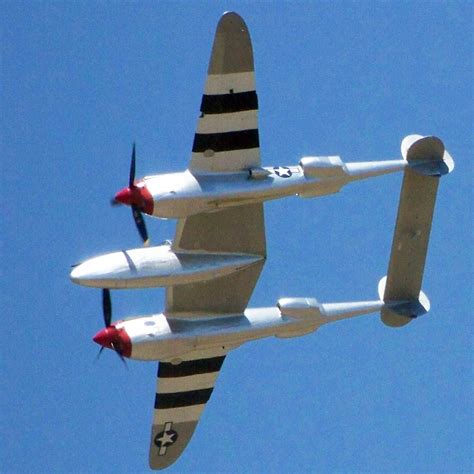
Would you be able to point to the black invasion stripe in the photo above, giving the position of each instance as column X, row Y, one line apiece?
column 190, row 367
column 182, row 399
column 228, row 103
column 226, row 141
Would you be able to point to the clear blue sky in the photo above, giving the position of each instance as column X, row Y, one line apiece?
column 82, row 80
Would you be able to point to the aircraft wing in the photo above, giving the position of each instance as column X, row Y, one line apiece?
column 181, row 394
column 226, row 138
column 184, row 388
column 239, row 229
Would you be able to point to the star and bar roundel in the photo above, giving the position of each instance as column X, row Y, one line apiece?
column 282, row 171
column 165, row 438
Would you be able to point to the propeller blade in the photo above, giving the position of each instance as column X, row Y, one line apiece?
column 131, row 178
column 106, row 307
column 140, row 223
column 97, row 357
column 122, row 358
column 114, row 202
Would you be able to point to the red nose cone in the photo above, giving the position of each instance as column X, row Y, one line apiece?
column 105, row 337
column 124, row 196
column 116, row 339
column 138, row 196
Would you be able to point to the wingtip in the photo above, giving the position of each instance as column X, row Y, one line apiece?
column 232, row 21
column 232, row 47
column 229, row 14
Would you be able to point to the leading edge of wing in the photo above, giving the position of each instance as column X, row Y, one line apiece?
column 182, row 392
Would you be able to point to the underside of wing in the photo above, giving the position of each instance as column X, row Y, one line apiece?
column 224, row 295
column 181, row 394
column 238, row 230
column 226, row 138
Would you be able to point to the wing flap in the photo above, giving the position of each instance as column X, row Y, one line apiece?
column 182, row 392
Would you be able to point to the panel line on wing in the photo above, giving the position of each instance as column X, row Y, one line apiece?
column 230, row 122
column 185, row 414
column 226, row 161
column 184, row 383
column 218, row 84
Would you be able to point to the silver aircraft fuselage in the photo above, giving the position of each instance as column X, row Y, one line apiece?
column 157, row 266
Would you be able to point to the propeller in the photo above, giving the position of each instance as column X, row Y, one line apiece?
column 140, row 223
column 134, row 196
column 106, row 307
column 109, row 337
column 131, row 177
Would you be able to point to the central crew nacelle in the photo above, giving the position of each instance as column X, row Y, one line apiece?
column 157, row 266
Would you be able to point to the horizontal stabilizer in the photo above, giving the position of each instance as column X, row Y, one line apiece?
column 426, row 155
column 428, row 160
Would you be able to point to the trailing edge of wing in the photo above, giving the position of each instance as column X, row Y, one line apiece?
column 182, row 392
column 427, row 161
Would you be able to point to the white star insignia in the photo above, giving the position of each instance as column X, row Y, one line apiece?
column 283, row 172
column 167, row 438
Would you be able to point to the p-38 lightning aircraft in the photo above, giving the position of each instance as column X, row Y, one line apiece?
column 211, row 267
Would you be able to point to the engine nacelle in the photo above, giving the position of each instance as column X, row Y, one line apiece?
column 300, row 308
column 323, row 166
column 305, row 314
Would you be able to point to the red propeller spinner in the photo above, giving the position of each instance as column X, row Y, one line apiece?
column 137, row 195
column 115, row 339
